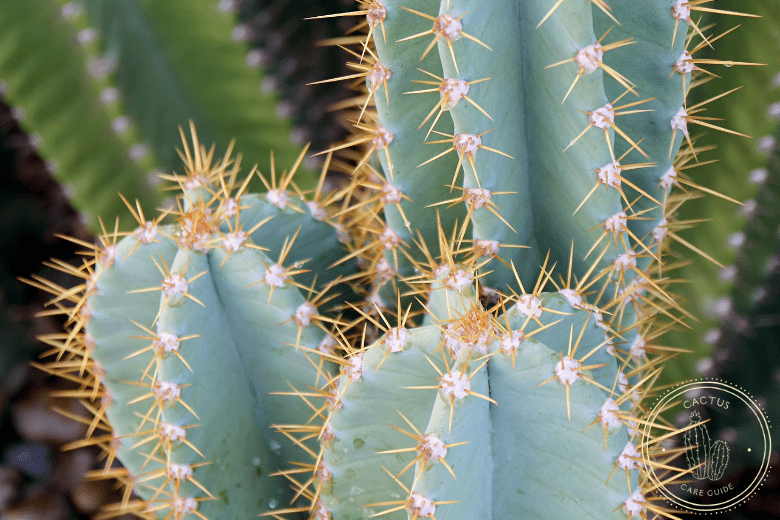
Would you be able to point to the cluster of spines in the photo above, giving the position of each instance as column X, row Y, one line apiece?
column 625, row 284
column 728, row 292
column 199, row 220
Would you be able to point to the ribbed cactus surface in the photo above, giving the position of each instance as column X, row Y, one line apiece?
column 510, row 212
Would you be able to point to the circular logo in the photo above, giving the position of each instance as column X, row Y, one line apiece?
column 719, row 428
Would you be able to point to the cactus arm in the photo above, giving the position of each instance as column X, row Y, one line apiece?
column 741, row 238
column 219, row 379
column 178, row 63
column 512, row 443
column 46, row 77
column 581, row 324
column 445, row 302
column 239, row 342
column 534, row 127
column 503, row 98
column 268, row 333
column 361, row 427
column 112, row 308
column 317, row 241
column 472, row 463
column 426, row 184
column 648, row 64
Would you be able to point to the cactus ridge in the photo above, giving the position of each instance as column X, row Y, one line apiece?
column 58, row 83
column 462, row 350
column 126, row 74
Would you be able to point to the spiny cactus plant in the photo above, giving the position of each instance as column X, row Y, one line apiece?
column 498, row 361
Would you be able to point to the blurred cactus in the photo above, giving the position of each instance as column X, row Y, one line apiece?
column 513, row 292
column 37, row 480
column 125, row 74
column 291, row 53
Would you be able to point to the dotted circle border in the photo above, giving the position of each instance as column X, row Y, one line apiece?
column 757, row 406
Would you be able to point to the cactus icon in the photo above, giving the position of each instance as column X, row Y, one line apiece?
column 718, row 460
column 706, row 459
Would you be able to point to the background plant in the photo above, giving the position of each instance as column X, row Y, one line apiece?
column 127, row 74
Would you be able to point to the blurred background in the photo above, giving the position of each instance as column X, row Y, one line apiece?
column 91, row 95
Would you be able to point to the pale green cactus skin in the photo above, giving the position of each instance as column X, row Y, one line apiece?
column 529, row 121
column 104, row 84
column 241, row 354
column 520, row 458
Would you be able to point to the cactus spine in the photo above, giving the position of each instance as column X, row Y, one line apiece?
column 516, row 356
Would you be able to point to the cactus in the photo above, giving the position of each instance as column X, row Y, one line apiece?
column 734, row 338
column 287, row 47
column 719, row 460
column 511, row 365
column 126, row 74
column 723, row 293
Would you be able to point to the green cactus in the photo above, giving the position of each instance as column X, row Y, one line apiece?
column 724, row 292
column 126, row 74
column 510, row 365
column 287, row 47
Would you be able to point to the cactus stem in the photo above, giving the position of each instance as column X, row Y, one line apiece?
column 429, row 448
column 455, row 384
column 686, row 63
column 604, row 118
column 601, row 4
column 466, row 145
column 569, row 369
column 682, row 11
column 417, row 505
column 475, row 198
column 162, row 343
column 686, row 115
column 147, row 230
column 172, row 286
column 379, row 137
column 375, row 12
column 376, row 74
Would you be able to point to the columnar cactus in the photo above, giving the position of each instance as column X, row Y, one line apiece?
column 723, row 296
column 513, row 291
column 126, row 74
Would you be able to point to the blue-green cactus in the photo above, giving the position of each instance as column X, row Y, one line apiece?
column 510, row 364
